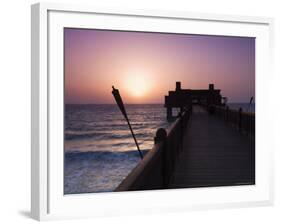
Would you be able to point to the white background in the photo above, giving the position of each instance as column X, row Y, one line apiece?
column 15, row 111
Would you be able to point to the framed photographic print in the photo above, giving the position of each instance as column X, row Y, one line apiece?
column 148, row 111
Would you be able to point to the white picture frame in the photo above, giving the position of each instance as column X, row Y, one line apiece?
column 48, row 201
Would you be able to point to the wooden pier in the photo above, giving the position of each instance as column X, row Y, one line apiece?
column 202, row 148
column 213, row 154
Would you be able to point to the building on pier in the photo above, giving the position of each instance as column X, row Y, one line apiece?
column 181, row 98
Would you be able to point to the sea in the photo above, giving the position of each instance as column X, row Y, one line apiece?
column 99, row 151
column 99, row 148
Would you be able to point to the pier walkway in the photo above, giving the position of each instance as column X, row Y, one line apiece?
column 213, row 154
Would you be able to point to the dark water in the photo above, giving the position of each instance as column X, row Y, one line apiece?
column 99, row 148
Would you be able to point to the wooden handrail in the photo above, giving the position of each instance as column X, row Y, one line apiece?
column 156, row 168
column 131, row 181
column 243, row 121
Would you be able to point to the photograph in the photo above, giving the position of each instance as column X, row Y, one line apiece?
column 157, row 111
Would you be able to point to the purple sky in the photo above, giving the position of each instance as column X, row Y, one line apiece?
column 145, row 66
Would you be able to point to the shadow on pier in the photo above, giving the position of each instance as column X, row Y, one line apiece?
column 208, row 145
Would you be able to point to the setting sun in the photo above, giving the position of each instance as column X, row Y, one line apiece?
column 137, row 85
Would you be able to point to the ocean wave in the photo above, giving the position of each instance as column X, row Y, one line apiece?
column 102, row 155
column 103, row 135
column 81, row 135
column 99, row 171
column 104, row 125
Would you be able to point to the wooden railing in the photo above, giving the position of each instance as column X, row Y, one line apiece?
column 155, row 170
column 243, row 121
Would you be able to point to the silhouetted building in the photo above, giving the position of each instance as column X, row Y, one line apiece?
column 181, row 98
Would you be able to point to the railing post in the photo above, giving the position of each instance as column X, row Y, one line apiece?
column 161, row 136
column 180, row 134
column 169, row 113
column 240, row 119
column 227, row 112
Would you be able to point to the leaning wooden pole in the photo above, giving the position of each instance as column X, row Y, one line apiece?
column 120, row 104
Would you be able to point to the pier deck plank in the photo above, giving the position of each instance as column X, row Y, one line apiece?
column 214, row 154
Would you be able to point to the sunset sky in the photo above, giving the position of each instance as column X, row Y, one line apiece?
column 145, row 66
